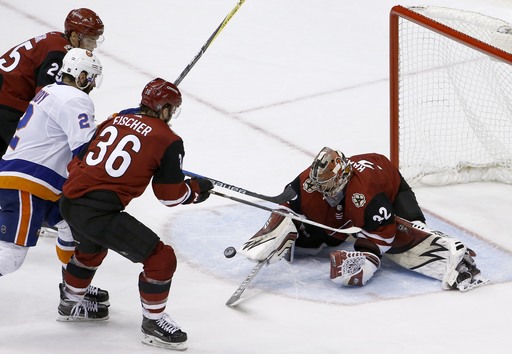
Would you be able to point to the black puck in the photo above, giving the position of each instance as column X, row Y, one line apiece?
column 229, row 252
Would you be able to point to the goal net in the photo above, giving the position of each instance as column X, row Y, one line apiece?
column 451, row 96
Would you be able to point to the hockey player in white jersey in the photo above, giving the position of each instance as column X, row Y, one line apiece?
column 57, row 124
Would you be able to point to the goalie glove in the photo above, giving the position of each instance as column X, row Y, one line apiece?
column 353, row 268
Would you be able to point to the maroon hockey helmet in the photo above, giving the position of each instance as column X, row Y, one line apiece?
column 84, row 22
column 158, row 93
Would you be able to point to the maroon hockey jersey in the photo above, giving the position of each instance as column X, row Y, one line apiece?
column 29, row 66
column 367, row 203
column 126, row 152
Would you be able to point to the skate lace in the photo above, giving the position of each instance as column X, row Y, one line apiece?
column 167, row 324
column 86, row 306
column 92, row 290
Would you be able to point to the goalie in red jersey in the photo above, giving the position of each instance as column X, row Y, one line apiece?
column 35, row 63
column 128, row 152
column 368, row 191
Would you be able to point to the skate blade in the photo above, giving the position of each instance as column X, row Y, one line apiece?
column 474, row 283
column 155, row 342
column 64, row 318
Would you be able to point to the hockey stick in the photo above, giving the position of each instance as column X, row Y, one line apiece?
column 208, row 42
column 286, row 195
column 346, row 230
column 238, row 292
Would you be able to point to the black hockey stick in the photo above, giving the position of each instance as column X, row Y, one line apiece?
column 343, row 230
column 286, row 195
column 208, row 42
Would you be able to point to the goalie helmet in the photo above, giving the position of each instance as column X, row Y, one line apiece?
column 77, row 61
column 158, row 93
column 84, row 22
column 330, row 173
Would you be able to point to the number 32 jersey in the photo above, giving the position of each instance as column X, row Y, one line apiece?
column 368, row 201
column 57, row 123
column 127, row 153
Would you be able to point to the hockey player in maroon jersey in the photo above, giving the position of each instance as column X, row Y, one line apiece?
column 128, row 152
column 368, row 191
column 33, row 64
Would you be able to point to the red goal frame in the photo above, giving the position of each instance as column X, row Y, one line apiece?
column 398, row 12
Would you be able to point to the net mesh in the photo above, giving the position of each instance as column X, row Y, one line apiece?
column 455, row 102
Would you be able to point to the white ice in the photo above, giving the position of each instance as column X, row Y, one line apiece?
column 283, row 79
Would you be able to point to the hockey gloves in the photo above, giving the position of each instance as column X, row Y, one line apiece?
column 200, row 189
column 353, row 268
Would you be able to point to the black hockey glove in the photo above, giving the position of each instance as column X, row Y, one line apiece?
column 200, row 189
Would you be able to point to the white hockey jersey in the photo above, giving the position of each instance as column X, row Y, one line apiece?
column 57, row 123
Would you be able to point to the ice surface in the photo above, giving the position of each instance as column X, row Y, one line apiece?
column 282, row 80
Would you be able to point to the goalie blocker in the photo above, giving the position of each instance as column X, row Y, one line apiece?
column 276, row 239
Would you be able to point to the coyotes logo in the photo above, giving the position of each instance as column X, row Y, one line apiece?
column 359, row 200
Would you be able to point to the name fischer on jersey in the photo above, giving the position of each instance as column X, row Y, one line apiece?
column 135, row 124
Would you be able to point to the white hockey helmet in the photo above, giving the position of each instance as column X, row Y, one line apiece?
column 330, row 173
column 77, row 61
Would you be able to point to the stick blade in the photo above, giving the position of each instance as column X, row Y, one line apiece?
column 233, row 301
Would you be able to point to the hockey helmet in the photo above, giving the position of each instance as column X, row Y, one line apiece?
column 84, row 22
column 78, row 60
column 158, row 92
column 330, row 173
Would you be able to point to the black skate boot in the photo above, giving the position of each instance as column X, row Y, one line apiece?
column 93, row 294
column 163, row 333
column 84, row 310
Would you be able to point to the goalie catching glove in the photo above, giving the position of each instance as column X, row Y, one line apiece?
column 353, row 268
column 200, row 188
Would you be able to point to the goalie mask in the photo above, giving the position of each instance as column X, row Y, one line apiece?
column 330, row 173
column 79, row 61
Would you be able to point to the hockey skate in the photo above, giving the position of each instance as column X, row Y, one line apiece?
column 84, row 310
column 466, row 275
column 163, row 333
column 93, row 294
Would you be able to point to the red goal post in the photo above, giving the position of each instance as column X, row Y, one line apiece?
column 450, row 96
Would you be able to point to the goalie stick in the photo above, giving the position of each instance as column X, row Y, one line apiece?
column 208, row 42
column 286, row 195
column 238, row 292
column 344, row 230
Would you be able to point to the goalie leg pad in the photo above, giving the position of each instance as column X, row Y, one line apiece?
column 441, row 257
column 353, row 268
column 275, row 240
